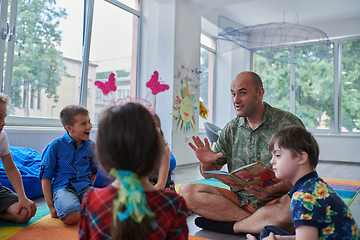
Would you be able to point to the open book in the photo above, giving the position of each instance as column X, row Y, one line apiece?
column 255, row 173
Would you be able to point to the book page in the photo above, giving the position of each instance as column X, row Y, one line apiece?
column 256, row 173
column 224, row 178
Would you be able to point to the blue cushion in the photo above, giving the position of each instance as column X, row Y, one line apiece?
column 172, row 162
column 103, row 178
column 28, row 162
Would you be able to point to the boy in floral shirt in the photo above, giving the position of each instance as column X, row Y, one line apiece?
column 317, row 212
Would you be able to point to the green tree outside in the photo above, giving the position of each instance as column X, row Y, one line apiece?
column 314, row 85
column 38, row 64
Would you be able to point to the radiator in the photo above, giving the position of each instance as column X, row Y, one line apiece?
column 35, row 139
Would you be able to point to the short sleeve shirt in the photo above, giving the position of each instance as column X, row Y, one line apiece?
column 65, row 164
column 4, row 144
column 242, row 145
column 314, row 203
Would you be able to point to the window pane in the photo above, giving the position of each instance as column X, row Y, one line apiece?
column 314, row 92
column 206, row 83
column 207, row 41
column 204, row 65
column 47, row 57
column 276, row 80
column 350, row 98
column 113, row 50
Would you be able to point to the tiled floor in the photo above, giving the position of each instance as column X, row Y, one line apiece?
column 187, row 173
column 325, row 169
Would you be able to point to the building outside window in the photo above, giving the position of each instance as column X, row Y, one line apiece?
column 47, row 61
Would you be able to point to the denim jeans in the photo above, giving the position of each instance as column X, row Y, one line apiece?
column 268, row 229
column 68, row 201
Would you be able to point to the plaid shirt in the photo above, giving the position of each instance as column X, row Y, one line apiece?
column 97, row 214
column 242, row 145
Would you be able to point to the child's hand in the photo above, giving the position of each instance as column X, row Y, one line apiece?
column 53, row 212
column 270, row 237
column 29, row 205
column 250, row 237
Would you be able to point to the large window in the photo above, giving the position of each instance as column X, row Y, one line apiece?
column 350, row 97
column 276, row 81
column 207, row 55
column 113, row 50
column 314, row 89
column 56, row 44
column 310, row 89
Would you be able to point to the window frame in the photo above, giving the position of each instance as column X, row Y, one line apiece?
column 212, row 83
column 87, row 28
column 337, row 42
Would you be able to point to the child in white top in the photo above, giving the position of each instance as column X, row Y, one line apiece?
column 14, row 207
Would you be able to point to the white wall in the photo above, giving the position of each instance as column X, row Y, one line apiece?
column 170, row 37
column 342, row 148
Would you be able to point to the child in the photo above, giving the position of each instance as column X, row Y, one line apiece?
column 67, row 168
column 162, row 177
column 15, row 208
column 317, row 211
column 129, row 147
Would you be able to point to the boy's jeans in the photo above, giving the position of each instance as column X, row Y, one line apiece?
column 68, row 201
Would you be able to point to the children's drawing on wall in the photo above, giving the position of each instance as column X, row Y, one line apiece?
column 186, row 106
column 203, row 111
column 186, row 74
column 185, row 109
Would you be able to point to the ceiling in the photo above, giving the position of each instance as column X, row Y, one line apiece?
column 303, row 12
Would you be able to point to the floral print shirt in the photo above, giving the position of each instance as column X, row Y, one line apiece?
column 315, row 203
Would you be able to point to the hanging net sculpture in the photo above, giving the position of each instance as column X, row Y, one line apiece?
column 272, row 40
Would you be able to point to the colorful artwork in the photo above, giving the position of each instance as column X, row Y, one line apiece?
column 108, row 86
column 155, row 85
column 203, row 111
column 184, row 109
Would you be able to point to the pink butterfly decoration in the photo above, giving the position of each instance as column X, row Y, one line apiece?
column 155, row 85
column 108, row 86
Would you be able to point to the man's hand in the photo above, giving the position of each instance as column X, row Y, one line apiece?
column 259, row 192
column 203, row 151
column 29, row 205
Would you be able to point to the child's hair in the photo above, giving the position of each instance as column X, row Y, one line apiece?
column 297, row 140
column 4, row 99
column 158, row 124
column 68, row 114
column 127, row 139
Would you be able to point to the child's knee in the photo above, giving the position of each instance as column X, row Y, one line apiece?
column 72, row 219
column 23, row 217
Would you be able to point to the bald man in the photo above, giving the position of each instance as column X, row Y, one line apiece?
column 242, row 141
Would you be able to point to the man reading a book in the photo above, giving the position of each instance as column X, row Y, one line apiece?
column 244, row 140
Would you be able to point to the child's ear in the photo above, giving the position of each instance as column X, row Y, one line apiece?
column 303, row 158
column 68, row 128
